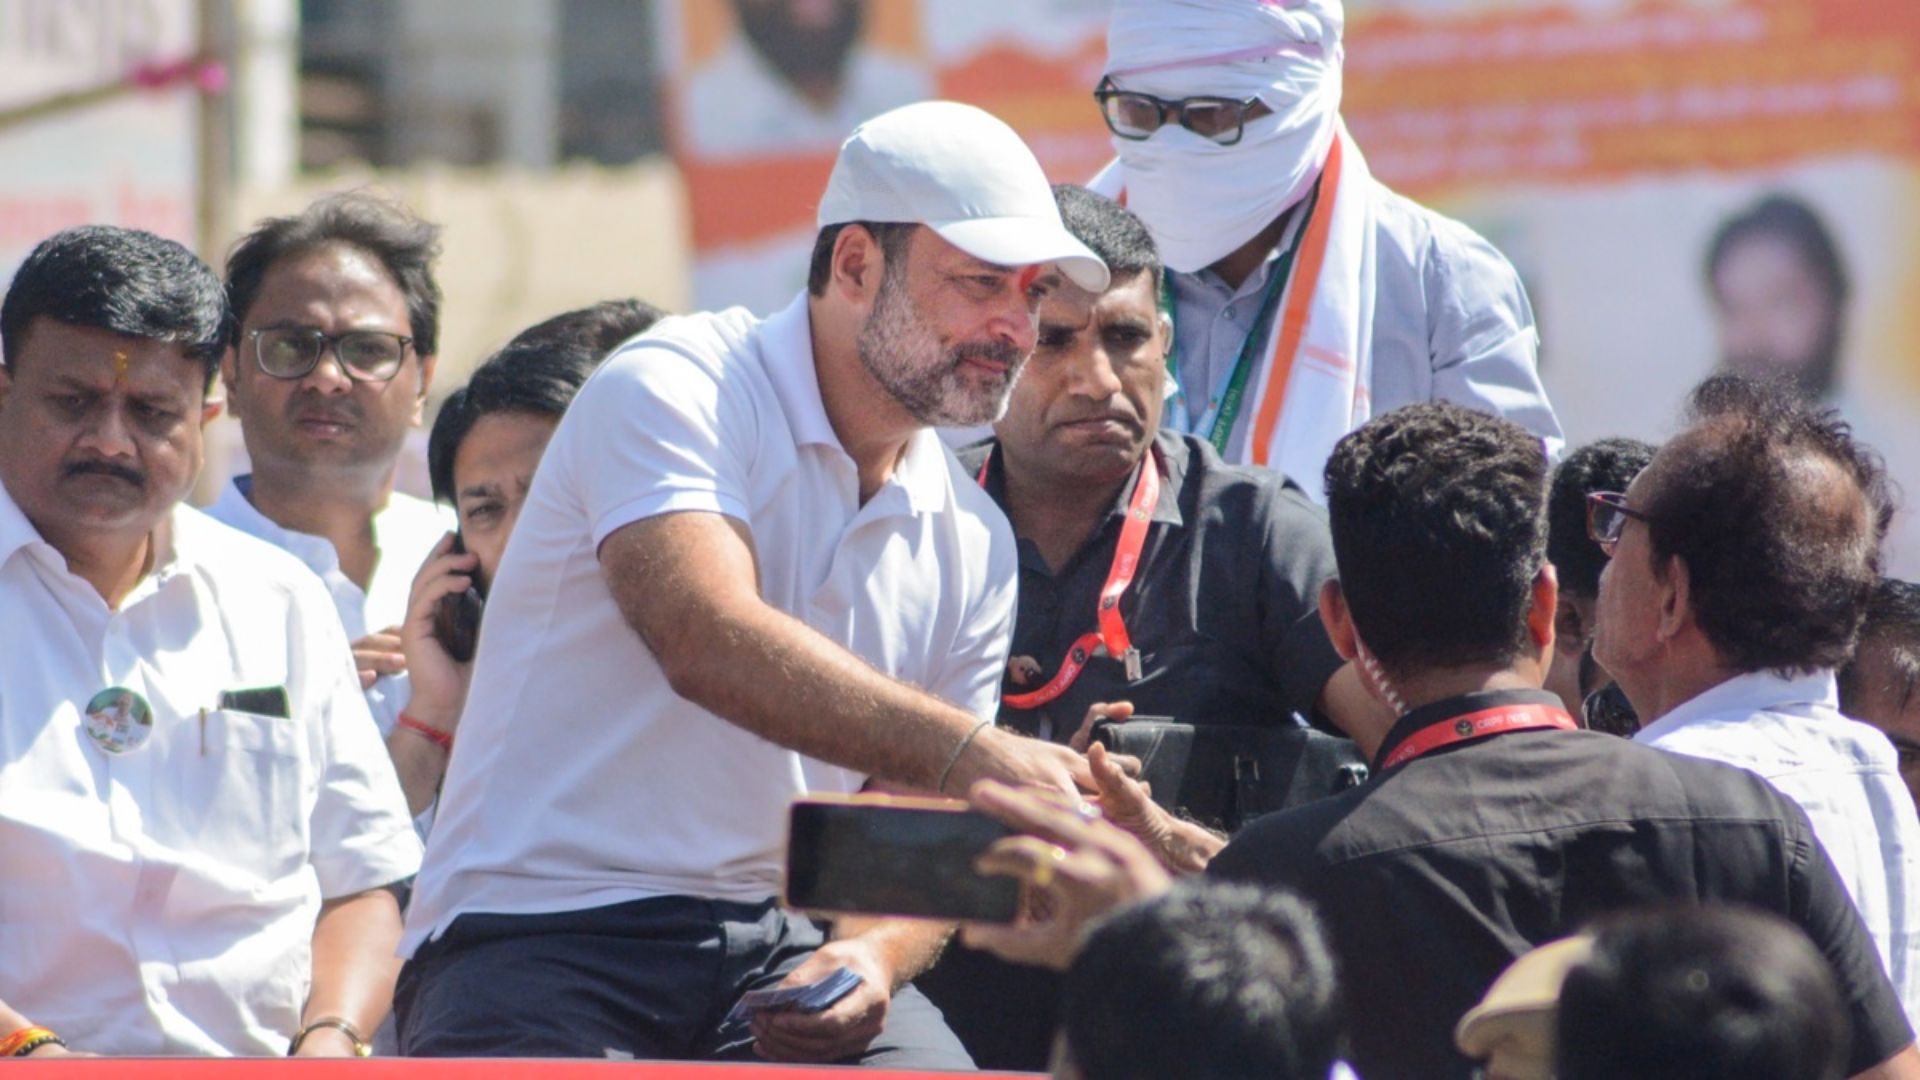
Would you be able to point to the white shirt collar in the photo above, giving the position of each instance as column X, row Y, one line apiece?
column 16, row 532
column 786, row 350
column 236, row 509
column 1744, row 695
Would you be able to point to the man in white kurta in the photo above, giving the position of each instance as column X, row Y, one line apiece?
column 198, row 818
column 324, row 442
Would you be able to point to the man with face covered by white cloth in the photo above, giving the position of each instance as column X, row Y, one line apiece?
column 1306, row 295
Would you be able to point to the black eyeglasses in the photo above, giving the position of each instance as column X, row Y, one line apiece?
column 1607, row 514
column 290, row 352
column 1133, row 115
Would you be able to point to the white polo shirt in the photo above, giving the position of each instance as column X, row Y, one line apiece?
column 404, row 530
column 579, row 778
column 162, row 900
column 1842, row 773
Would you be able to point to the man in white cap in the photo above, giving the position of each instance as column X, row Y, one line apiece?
column 1306, row 296
column 747, row 570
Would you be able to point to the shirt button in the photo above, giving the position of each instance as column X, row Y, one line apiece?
column 1232, row 312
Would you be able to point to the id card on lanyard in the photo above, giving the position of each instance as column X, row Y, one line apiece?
column 1111, row 633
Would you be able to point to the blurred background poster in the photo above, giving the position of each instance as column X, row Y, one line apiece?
column 1684, row 184
column 99, row 119
column 759, row 95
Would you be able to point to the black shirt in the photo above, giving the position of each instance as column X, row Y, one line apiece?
column 1224, row 607
column 1437, row 873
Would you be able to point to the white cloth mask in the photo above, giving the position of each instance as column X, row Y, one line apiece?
column 1202, row 200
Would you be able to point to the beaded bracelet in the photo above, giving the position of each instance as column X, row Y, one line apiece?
column 27, row 1040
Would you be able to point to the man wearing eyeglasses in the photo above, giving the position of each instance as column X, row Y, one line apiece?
column 336, row 318
column 1742, row 559
column 1306, row 296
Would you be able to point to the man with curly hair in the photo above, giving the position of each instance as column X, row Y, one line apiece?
column 1743, row 559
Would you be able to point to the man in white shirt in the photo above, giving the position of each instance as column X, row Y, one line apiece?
column 198, row 819
column 1306, row 295
column 746, row 570
column 1742, row 560
column 336, row 318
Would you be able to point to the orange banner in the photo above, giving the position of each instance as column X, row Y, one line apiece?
column 1555, row 94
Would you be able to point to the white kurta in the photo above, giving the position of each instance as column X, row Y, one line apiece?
column 162, row 900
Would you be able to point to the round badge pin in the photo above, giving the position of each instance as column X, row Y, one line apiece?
column 119, row 720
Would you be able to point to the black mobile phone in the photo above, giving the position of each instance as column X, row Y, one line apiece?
column 879, row 855
column 457, row 620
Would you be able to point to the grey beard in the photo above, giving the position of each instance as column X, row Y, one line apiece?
column 904, row 357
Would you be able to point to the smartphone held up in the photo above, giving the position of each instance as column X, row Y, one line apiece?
column 882, row 855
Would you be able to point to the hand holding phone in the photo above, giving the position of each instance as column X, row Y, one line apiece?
column 881, row 855
column 457, row 620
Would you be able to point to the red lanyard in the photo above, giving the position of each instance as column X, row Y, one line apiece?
column 1475, row 724
column 1112, row 633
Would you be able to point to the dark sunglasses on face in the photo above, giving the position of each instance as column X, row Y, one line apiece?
column 1133, row 115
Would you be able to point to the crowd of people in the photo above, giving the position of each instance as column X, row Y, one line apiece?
column 329, row 770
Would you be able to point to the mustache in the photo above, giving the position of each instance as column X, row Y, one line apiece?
column 1118, row 416
column 105, row 468
column 996, row 352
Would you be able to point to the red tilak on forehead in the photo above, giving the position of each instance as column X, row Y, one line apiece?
column 1028, row 276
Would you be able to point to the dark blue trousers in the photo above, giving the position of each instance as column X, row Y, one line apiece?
column 647, row 979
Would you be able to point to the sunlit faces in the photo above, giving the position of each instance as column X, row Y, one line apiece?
column 99, row 433
column 492, row 470
column 948, row 333
column 1775, row 314
column 1090, row 399
column 325, row 419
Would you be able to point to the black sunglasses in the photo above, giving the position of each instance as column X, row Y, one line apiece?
column 1133, row 115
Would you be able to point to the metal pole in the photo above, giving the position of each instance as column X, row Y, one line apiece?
column 214, row 182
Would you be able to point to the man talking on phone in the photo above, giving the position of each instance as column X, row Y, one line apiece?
column 747, row 570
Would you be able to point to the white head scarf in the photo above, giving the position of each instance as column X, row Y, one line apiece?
column 1202, row 200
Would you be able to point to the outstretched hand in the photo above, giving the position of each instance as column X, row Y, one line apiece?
column 1075, row 867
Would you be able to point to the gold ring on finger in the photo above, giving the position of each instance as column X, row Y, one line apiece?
column 1044, row 869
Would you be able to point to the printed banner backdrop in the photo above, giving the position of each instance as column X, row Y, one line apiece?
column 127, row 161
column 1602, row 145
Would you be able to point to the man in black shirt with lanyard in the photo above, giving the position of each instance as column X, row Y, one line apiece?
column 1154, row 578
column 1490, row 825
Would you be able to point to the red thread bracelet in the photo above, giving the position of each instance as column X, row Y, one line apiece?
column 441, row 739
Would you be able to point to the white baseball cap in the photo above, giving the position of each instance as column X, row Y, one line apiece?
column 966, row 175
